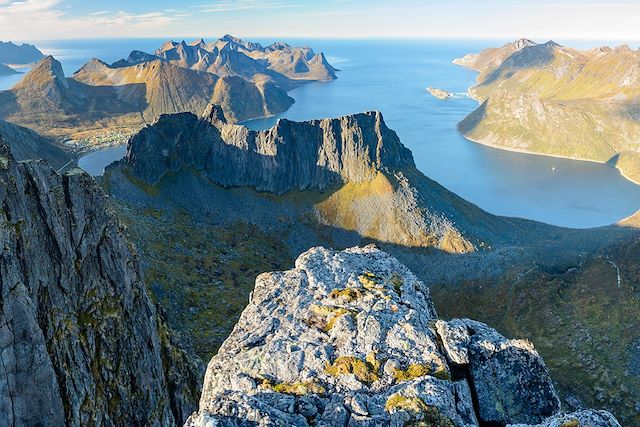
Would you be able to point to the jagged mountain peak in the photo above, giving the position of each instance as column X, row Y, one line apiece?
column 47, row 73
column 522, row 42
column 312, row 155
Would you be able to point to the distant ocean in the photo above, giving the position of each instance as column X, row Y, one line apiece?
column 392, row 76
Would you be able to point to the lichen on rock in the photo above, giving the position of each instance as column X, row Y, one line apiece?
column 81, row 342
column 390, row 362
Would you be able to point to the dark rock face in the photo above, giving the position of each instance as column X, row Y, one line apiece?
column 312, row 155
column 79, row 340
column 498, row 368
column 352, row 338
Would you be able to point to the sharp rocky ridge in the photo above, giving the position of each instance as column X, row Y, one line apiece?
column 81, row 342
column 352, row 338
column 312, row 155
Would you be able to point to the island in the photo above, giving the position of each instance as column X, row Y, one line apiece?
column 440, row 93
column 23, row 54
column 558, row 101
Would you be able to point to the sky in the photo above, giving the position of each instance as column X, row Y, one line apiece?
column 482, row 19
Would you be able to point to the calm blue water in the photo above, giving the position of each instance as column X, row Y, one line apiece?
column 391, row 76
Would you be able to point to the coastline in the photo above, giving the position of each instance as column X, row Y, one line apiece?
column 557, row 156
column 515, row 150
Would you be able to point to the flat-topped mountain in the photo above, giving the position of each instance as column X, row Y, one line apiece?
column 551, row 99
column 313, row 155
column 352, row 338
column 14, row 54
column 372, row 183
column 247, row 80
column 82, row 342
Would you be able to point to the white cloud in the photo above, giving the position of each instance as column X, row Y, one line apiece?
column 238, row 5
column 45, row 19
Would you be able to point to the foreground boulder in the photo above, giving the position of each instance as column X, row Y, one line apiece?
column 352, row 338
column 80, row 340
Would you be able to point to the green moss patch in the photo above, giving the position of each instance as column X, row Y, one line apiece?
column 418, row 370
column 299, row 388
column 324, row 317
column 366, row 371
column 423, row 415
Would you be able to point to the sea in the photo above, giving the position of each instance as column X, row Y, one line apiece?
column 392, row 76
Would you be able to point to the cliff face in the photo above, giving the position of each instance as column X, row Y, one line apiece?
column 550, row 99
column 352, row 338
column 79, row 337
column 312, row 155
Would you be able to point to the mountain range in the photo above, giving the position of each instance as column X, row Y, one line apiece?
column 247, row 80
column 344, row 337
column 113, row 293
column 554, row 100
column 235, row 204
column 13, row 54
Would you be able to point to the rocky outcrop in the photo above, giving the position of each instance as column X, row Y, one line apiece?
column 80, row 340
column 440, row 93
column 26, row 144
column 313, row 155
column 352, row 338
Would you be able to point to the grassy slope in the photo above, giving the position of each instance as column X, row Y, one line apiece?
column 201, row 274
column 578, row 104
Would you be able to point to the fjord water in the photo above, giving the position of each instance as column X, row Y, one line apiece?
column 392, row 76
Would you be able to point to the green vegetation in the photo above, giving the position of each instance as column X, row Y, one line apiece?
column 423, row 414
column 366, row 371
column 201, row 274
column 299, row 388
column 571, row 423
column 347, row 294
column 324, row 317
column 576, row 104
column 583, row 324
column 417, row 370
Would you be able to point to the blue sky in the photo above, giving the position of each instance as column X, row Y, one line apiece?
column 490, row 19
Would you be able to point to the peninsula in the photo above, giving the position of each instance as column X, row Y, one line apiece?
column 554, row 100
